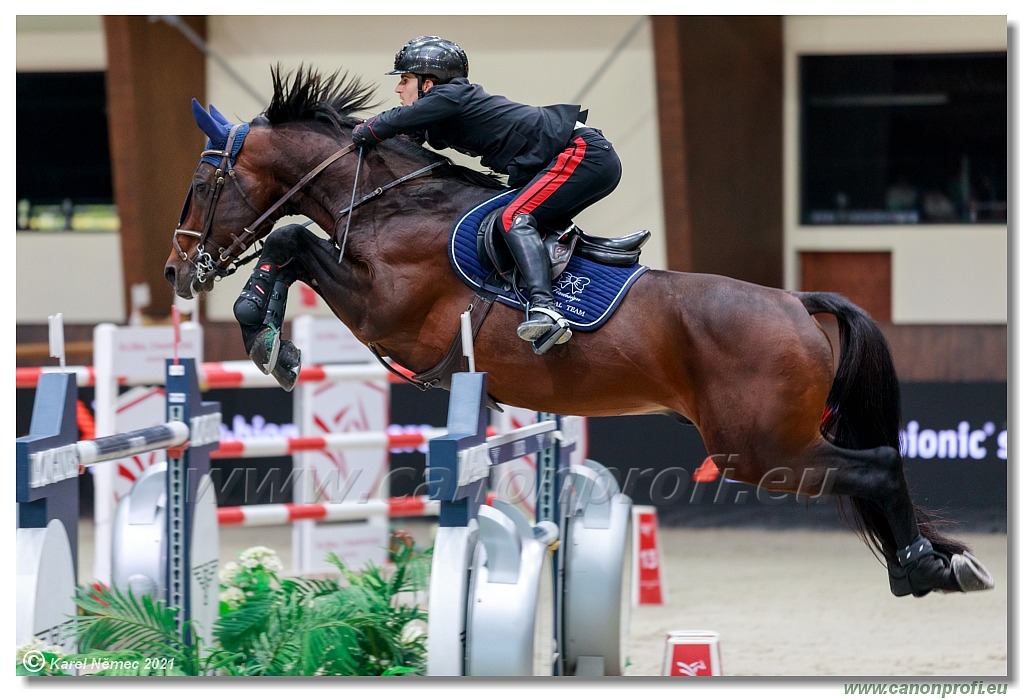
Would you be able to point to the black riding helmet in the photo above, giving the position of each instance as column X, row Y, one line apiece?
column 432, row 56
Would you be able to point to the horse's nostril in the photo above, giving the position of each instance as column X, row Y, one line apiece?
column 169, row 274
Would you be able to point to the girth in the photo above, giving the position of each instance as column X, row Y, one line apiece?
column 440, row 375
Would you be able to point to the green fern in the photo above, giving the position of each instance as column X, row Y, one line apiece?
column 117, row 628
column 347, row 626
column 352, row 625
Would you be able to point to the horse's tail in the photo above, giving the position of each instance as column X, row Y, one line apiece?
column 863, row 411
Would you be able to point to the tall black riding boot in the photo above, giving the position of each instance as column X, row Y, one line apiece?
column 527, row 248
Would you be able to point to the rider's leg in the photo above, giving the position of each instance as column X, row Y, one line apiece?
column 586, row 170
column 527, row 247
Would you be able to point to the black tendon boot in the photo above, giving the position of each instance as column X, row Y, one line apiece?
column 544, row 325
column 262, row 303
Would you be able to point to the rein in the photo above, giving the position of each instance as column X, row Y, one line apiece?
column 251, row 229
column 384, row 188
column 204, row 262
column 370, row 196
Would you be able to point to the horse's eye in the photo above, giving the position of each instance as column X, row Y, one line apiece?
column 201, row 188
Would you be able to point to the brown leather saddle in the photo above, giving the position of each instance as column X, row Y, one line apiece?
column 561, row 246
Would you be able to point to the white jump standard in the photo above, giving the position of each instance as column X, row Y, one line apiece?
column 165, row 534
column 48, row 463
column 491, row 567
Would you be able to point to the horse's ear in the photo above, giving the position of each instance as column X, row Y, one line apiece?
column 215, row 113
column 217, row 132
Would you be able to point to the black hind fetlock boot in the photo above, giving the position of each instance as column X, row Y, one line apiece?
column 543, row 319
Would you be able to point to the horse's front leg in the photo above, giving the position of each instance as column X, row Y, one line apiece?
column 260, row 308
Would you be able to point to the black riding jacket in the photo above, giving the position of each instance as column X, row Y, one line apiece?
column 508, row 137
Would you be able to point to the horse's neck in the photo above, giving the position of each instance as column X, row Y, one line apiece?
column 409, row 218
column 398, row 290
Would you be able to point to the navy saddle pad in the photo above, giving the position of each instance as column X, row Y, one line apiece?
column 586, row 293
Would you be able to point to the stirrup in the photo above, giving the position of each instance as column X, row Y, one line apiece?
column 545, row 336
column 559, row 334
column 532, row 328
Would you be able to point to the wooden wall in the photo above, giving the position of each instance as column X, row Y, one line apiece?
column 152, row 74
column 720, row 96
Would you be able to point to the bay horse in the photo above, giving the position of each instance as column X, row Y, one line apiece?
column 747, row 365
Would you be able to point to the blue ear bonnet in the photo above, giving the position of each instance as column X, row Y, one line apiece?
column 218, row 129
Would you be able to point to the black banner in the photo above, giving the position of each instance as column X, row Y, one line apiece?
column 954, row 440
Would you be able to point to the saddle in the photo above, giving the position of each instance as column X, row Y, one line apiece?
column 561, row 246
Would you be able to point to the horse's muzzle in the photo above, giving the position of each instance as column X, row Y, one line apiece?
column 184, row 282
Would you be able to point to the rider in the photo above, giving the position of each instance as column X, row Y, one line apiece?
column 560, row 165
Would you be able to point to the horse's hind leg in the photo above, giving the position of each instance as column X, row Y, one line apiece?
column 919, row 559
column 260, row 310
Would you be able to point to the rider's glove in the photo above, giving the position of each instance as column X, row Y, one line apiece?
column 362, row 135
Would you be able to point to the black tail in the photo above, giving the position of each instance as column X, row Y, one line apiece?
column 863, row 411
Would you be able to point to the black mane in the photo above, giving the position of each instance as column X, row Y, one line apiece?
column 335, row 100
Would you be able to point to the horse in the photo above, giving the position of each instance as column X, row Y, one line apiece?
column 747, row 365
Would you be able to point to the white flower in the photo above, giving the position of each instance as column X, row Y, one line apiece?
column 229, row 571
column 260, row 556
column 232, row 596
column 33, row 644
column 36, row 644
column 411, row 633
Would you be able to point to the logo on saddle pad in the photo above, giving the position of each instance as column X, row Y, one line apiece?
column 569, row 283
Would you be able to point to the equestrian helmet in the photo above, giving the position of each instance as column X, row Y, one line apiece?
column 432, row 55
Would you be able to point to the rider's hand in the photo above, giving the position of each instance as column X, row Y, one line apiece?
column 363, row 135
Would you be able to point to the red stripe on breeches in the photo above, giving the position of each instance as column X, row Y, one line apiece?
column 540, row 189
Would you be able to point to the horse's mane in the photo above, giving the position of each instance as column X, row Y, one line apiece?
column 334, row 100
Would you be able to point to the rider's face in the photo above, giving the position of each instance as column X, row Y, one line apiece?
column 408, row 89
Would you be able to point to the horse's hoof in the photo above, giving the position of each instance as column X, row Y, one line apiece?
column 286, row 372
column 266, row 349
column 971, row 574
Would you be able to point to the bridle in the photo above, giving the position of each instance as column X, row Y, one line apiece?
column 225, row 262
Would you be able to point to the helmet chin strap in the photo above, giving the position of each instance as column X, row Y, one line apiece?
column 419, row 86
